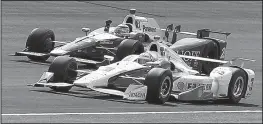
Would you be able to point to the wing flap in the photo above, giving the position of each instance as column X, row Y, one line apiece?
column 29, row 54
column 86, row 61
column 108, row 91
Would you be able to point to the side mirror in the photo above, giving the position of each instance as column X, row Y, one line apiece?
column 86, row 30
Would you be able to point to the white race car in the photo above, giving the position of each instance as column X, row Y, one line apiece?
column 154, row 76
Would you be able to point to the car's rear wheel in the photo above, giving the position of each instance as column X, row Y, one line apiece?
column 237, row 86
column 40, row 41
column 159, row 85
column 128, row 47
column 64, row 69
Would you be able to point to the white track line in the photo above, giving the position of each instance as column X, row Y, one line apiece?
column 132, row 113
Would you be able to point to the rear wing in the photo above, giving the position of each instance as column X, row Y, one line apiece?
column 200, row 33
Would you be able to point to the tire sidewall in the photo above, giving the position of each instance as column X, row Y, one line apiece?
column 128, row 47
column 237, row 74
column 37, row 42
column 60, row 68
column 165, row 77
column 154, row 83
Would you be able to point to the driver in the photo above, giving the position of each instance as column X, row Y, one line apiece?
column 146, row 57
column 121, row 30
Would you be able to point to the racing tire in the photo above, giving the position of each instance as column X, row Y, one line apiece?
column 159, row 85
column 40, row 41
column 64, row 69
column 237, row 86
column 212, row 53
column 128, row 47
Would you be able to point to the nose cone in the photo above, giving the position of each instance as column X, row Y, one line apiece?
column 58, row 52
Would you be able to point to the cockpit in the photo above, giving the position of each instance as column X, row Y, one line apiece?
column 134, row 22
column 142, row 59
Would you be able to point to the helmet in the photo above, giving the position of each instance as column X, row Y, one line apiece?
column 121, row 29
column 145, row 57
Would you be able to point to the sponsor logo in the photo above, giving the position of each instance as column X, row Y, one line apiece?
column 180, row 85
column 148, row 29
column 138, row 94
column 189, row 53
column 106, row 42
column 194, row 85
column 220, row 72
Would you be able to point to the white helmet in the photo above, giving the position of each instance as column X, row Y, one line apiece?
column 121, row 29
column 145, row 57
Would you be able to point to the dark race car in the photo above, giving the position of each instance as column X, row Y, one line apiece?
column 129, row 37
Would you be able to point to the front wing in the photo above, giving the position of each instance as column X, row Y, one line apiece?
column 133, row 92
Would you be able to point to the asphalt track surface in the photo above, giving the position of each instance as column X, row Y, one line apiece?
column 41, row 105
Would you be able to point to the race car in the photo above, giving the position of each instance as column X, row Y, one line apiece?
column 154, row 76
column 93, row 47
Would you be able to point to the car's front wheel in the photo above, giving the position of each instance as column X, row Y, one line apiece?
column 159, row 85
column 64, row 69
column 40, row 40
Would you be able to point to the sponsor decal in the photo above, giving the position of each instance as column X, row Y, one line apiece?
column 106, row 42
column 180, row 85
column 138, row 94
column 148, row 29
column 194, row 85
column 189, row 53
column 220, row 72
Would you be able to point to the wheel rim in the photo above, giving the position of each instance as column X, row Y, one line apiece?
column 238, row 86
column 165, row 87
